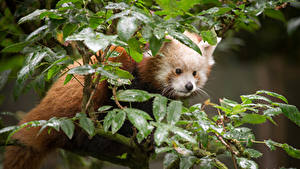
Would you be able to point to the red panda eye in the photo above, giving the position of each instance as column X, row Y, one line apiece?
column 194, row 73
column 178, row 71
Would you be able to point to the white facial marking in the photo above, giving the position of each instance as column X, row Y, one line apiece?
column 177, row 55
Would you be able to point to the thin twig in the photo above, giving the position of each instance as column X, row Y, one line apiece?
column 230, row 149
column 93, row 92
column 114, row 90
column 76, row 78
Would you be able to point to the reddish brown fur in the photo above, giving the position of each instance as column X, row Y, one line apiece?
column 60, row 101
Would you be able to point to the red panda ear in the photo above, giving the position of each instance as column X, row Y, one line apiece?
column 208, row 50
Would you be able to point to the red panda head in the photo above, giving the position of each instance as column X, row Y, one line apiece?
column 179, row 71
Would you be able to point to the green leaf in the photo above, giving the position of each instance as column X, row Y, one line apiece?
column 209, row 36
column 32, row 16
column 134, row 50
column 275, row 14
column 86, row 123
column 68, row 78
column 174, row 112
column 182, row 133
column 252, row 153
column 118, row 121
column 169, row 159
column 291, row 112
column 273, row 111
column 14, row 48
column 36, row 32
column 108, row 120
column 59, row 3
column 133, row 95
column 254, row 119
column 104, row 108
column 291, row 151
column 93, row 40
column 82, row 70
column 271, row 144
column 273, row 95
column 247, row 99
column 160, row 135
column 119, row 6
column 68, row 127
column 139, row 119
column 160, row 107
column 246, row 164
column 53, row 71
column 240, row 133
column 185, row 40
column 126, row 27
column 187, row 162
column 154, row 45
column 68, row 29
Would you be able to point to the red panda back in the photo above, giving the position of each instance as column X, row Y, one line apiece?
column 60, row 101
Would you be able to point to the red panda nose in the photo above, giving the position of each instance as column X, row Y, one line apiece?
column 189, row 86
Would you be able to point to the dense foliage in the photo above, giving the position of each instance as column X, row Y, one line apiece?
column 76, row 29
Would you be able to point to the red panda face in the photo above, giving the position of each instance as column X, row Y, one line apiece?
column 182, row 71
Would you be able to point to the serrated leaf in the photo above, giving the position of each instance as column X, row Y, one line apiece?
column 270, row 144
column 118, row 121
column 160, row 135
column 275, row 14
column 247, row 99
column 139, row 119
column 133, row 95
column 93, row 40
column 273, row 95
column 254, row 119
column 86, row 123
column 32, row 16
column 174, row 112
column 187, row 162
column 169, row 159
column 68, row 127
column 291, row 112
column 209, row 36
column 159, row 108
column 182, row 133
column 14, row 48
column 246, row 164
column 126, row 27
column 185, row 40
column 253, row 153
column 82, row 70
column 291, row 151
column 273, row 111
column 108, row 120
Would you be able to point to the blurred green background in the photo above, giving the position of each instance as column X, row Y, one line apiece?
column 245, row 62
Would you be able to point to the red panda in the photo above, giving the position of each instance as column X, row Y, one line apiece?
column 176, row 72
